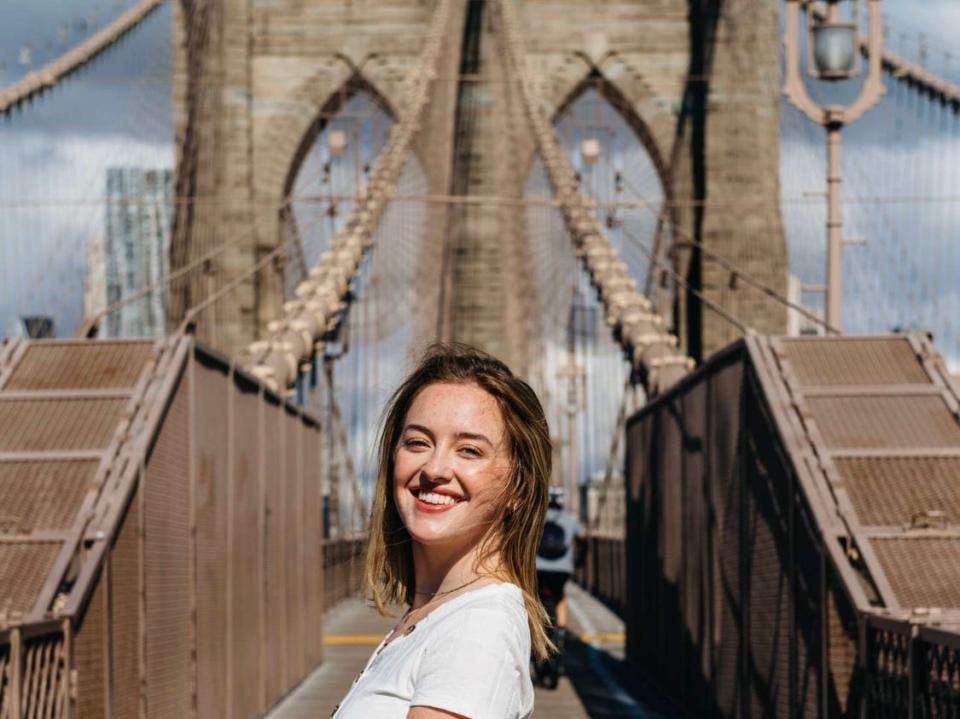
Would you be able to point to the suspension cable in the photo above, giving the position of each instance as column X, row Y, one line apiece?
column 731, row 318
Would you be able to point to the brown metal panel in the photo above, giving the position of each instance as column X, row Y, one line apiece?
column 89, row 658
column 86, row 365
column 766, row 570
column 341, row 572
column 311, row 467
column 167, row 547
column 294, row 541
column 924, row 571
column 211, row 386
column 245, row 555
column 275, row 553
column 668, row 506
column 24, row 567
column 893, row 490
column 724, row 490
column 125, row 631
column 841, row 649
column 808, row 616
column 877, row 422
column 619, row 595
column 44, row 424
column 43, row 495
column 6, row 671
column 642, row 566
column 695, row 603
column 670, row 453
column 327, row 554
column 855, row 361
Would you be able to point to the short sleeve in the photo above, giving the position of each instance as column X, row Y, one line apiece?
column 476, row 666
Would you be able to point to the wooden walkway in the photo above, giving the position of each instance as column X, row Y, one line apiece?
column 597, row 684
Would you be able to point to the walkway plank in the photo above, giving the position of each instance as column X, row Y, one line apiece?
column 323, row 689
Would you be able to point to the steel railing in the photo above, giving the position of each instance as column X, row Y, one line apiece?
column 600, row 569
column 342, row 569
column 911, row 670
column 35, row 664
column 737, row 599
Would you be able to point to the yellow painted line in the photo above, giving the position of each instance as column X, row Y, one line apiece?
column 353, row 639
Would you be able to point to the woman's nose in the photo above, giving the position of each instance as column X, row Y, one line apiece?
column 438, row 468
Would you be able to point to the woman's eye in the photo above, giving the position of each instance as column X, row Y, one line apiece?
column 414, row 443
column 471, row 451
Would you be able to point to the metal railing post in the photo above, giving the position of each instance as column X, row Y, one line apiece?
column 864, row 658
column 68, row 695
column 16, row 673
column 914, row 671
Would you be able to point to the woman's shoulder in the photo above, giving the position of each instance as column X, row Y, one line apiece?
column 499, row 595
column 489, row 622
column 496, row 606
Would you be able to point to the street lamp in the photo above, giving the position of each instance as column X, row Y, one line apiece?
column 833, row 50
column 590, row 150
column 337, row 140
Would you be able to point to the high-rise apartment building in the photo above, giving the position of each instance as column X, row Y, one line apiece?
column 136, row 249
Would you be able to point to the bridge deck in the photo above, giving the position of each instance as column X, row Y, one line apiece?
column 595, row 685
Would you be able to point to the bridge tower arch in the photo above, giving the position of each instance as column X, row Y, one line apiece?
column 250, row 82
column 334, row 156
column 630, row 170
column 336, row 103
column 250, row 78
column 704, row 79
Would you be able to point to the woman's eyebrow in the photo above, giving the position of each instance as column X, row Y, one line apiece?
column 418, row 428
column 471, row 435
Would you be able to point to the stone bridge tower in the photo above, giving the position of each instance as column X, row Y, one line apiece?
column 697, row 80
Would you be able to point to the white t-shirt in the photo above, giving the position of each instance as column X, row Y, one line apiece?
column 469, row 656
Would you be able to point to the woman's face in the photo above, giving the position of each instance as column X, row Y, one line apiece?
column 451, row 464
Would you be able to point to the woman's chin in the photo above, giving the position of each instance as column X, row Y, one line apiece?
column 447, row 535
column 428, row 535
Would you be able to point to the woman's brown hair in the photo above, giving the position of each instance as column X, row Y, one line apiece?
column 515, row 531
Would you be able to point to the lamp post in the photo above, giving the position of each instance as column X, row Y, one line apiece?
column 832, row 48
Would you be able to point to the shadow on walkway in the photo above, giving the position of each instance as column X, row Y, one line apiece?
column 609, row 687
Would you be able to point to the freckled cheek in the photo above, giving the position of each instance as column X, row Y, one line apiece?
column 405, row 465
column 401, row 495
column 486, row 485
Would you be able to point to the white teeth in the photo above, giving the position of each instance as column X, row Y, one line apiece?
column 434, row 498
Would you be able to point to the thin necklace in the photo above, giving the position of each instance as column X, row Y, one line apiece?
column 410, row 612
column 448, row 591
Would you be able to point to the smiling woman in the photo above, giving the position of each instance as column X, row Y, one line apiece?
column 457, row 517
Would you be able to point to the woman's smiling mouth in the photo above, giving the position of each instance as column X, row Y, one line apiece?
column 433, row 501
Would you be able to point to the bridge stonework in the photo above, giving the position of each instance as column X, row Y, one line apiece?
column 269, row 73
column 702, row 91
column 708, row 117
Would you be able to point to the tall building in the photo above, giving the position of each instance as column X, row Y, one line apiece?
column 136, row 252
column 95, row 285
